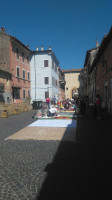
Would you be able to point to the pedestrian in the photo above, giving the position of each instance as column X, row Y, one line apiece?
column 48, row 102
column 66, row 105
column 97, row 108
column 61, row 105
column 82, row 106
column 77, row 102
column 54, row 100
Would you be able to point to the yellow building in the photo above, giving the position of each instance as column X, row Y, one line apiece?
column 72, row 77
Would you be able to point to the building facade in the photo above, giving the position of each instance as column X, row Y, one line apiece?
column 72, row 77
column 103, row 66
column 44, row 75
column 5, row 74
column 98, row 65
column 20, row 69
column 83, row 89
column 15, row 66
column 61, row 85
column 89, row 78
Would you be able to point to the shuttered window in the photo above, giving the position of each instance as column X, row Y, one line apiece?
column 46, row 80
column 17, row 71
column 46, row 94
column 45, row 63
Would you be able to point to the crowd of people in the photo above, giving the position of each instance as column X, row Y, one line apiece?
column 78, row 105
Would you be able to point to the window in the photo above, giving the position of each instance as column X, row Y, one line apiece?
column 17, row 53
column 28, row 93
column 45, row 63
column 23, row 94
column 24, row 73
column 28, row 59
column 46, row 94
column 52, row 64
column 16, row 93
column 55, row 68
column 1, row 87
column 23, row 56
column 46, row 79
column 17, row 72
column 28, row 75
column 53, row 81
column 56, row 83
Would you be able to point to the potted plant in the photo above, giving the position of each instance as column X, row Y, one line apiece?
column 4, row 114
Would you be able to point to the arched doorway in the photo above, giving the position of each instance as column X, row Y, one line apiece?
column 74, row 93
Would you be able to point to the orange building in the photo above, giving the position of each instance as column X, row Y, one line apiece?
column 72, row 82
column 16, row 57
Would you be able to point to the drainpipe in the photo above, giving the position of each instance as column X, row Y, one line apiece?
column 95, row 81
column 35, row 75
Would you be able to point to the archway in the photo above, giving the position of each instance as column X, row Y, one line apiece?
column 74, row 92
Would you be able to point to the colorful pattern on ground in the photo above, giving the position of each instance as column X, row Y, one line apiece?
column 45, row 133
column 54, row 123
column 64, row 130
column 56, row 117
column 63, row 117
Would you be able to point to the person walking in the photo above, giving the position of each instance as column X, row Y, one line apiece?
column 48, row 102
column 54, row 100
column 97, row 109
column 82, row 107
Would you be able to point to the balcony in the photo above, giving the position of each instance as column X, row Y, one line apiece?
column 62, row 81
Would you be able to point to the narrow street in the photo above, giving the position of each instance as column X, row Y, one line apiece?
column 56, row 169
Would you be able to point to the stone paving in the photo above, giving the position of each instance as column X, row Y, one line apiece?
column 22, row 167
column 23, row 163
column 55, row 169
column 45, row 133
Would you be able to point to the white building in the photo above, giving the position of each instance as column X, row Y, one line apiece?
column 44, row 75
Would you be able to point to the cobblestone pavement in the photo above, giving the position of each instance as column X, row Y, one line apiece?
column 22, row 163
column 22, row 167
column 56, row 170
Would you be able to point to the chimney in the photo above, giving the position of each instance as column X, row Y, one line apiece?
column 97, row 44
column 49, row 48
column 28, row 46
column 42, row 48
column 2, row 29
column 37, row 49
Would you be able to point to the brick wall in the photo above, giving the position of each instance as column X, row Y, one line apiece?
column 104, row 75
column 10, row 108
column 4, row 52
column 20, row 82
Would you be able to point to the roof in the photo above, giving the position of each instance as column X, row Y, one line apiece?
column 71, row 70
column 104, row 43
column 15, row 39
column 5, row 71
column 50, row 52
column 88, row 54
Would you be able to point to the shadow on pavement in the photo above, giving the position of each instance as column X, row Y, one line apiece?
column 82, row 169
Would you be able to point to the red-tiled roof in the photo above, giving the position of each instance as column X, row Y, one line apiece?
column 71, row 70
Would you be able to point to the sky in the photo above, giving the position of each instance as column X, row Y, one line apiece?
column 70, row 27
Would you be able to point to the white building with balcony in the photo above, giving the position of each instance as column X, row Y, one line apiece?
column 44, row 75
